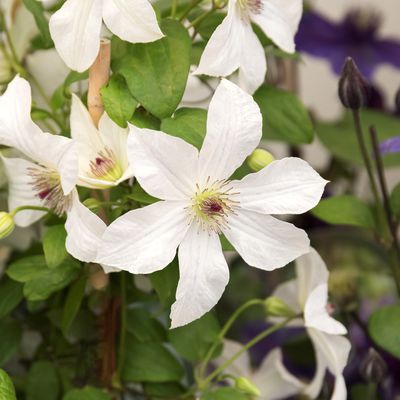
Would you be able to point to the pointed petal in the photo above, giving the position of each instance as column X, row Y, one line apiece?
column 287, row 186
column 241, row 366
column 273, row 380
column 313, row 389
column 20, row 191
column 280, row 20
column 164, row 165
column 234, row 126
column 222, row 54
column 132, row 20
column 84, row 231
column 75, row 29
column 265, row 242
column 203, row 276
column 316, row 315
column 145, row 240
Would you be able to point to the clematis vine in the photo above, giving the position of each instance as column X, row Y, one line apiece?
column 308, row 294
column 45, row 175
column 234, row 45
column 200, row 202
column 76, row 27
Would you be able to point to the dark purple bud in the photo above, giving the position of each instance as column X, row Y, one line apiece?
column 373, row 368
column 397, row 102
column 353, row 87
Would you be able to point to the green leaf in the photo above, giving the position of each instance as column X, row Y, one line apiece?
column 204, row 332
column 87, row 393
column 156, row 72
column 7, row 391
column 139, row 195
column 163, row 390
column 36, row 8
column 54, row 245
column 187, row 123
column 63, row 93
column 165, row 283
column 143, row 326
column 224, row 394
column 10, row 339
column 149, row 362
column 384, row 327
column 345, row 210
column 284, row 116
column 43, row 382
column 41, row 281
column 118, row 101
column 395, row 201
column 10, row 296
column 143, row 119
column 341, row 141
column 72, row 304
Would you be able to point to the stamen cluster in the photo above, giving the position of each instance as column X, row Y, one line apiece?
column 105, row 166
column 254, row 6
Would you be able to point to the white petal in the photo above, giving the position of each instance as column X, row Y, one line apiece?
column 265, row 242
column 203, row 276
column 241, row 366
column 234, row 126
column 84, row 231
column 280, row 20
column 75, row 29
column 316, row 315
column 223, row 51
column 253, row 64
column 20, row 191
column 287, row 291
column 165, row 166
column 313, row 389
column 145, row 240
column 132, row 20
column 273, row 380
column 287, row 186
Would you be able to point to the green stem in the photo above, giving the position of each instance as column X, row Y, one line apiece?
column 9, row 39
column 173, row 8
column 189, row 8
column 371, row 391
column 122, row 338
column 201, row 17
column 246, row 347
column 33, row 208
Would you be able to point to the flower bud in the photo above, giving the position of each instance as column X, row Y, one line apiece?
column 373, row 368
column 92, row 204
column 397, row 102
column 259, row 159
column 275, row 307
column 353, row 87
column 246, row 386
column 7, row 224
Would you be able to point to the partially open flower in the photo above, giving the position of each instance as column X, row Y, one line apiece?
column 7, row 224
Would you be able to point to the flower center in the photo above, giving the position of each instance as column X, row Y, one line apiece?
column 254, row 6
column 105, row 166
column 212, row 204
column 46, row 182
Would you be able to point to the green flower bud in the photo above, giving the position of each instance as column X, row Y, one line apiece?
column 246, row 386
column 259, row 159
column 92, row 204
column 7, row 224
column 275, row 307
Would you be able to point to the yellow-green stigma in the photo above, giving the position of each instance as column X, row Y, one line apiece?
column 105, row 166
column 212, row 205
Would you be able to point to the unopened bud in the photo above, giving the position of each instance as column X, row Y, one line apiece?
column 373, row 368
column 7, row 224
column 247, row 387
column 397, row 102
column 92, row 204
column 275, row 307
column 98, row 279
column 353, row 87
column 259, row 159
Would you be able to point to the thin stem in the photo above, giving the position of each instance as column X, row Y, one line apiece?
column 173, row 8
column 122, row 338
column 386, row 204
column 246, row 347
column 33, row 208
column 189, row 8
column 371, row 391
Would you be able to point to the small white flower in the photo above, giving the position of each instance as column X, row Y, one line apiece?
column 76, row 27
column 234, row 45
column 103, row 159
column 49, row 174
column 309, row 294
column 200, row 202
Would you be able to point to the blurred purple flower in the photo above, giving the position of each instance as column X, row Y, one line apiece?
column 356, row 36
column 391, row 145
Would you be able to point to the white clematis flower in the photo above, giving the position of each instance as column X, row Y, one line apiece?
column 271, row 378
column 234, row 45
column 199, row 203
column 309, row 294
column 103, row 159
column 76, row 27
column 49, row 174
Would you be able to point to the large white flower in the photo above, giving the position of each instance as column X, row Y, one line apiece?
column 308, row 294
column 47, row 176
column 234, row 45
column 103, row 159
column 76, row 27
column 199, row 203
column 271, row 378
